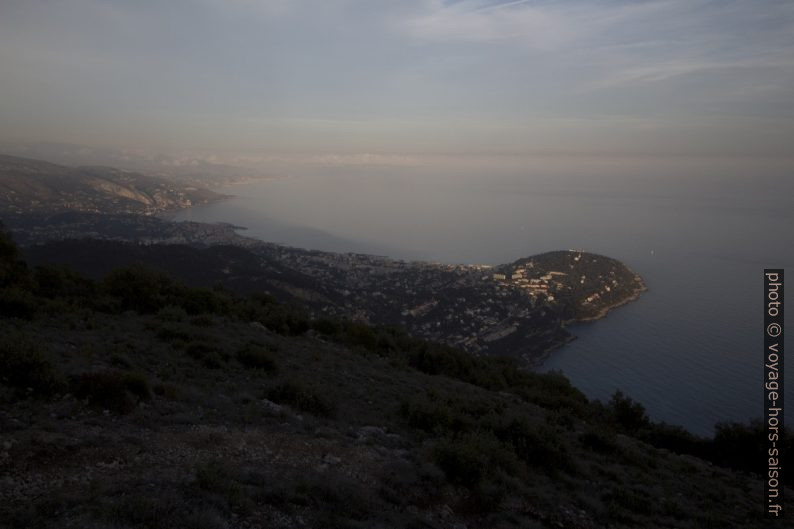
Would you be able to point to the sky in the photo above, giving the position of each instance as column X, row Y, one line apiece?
column 380, row 78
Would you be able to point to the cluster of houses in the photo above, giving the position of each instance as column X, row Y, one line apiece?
column 534, row 286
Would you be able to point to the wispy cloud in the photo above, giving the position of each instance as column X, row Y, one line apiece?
column 476, row 21
column 378, row 76
column 541, row 25
column 622, row 42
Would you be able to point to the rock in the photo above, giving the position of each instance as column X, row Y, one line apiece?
column 272, row 407
column 378, row 435
column 370, row 432
column 332, row 459
column 324, row 431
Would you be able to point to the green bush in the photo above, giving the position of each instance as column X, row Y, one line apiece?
column 629, row 415
column 436, row 359
column 360, row 335
column 539, row 447
column 171, row 314
column 674, row 438
column 13, row 272
column 216, row 477
column 16, row 302
column 294, row 395
column 551, row 390
column 287, row 319
column 140, row 289
column 468, row 459
column 202, row 320
column 116, row 391
column 256, row 356
column 23, row 365
column 599, row 440
column 173, row 333
column 203, row 301
column 209, row 355
column 327, row 326
column 59, row 282
column 440, row 417
column 623, row 499
column 741, row 446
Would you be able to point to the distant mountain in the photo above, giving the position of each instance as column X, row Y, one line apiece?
column 33, row 186
column 191, row 170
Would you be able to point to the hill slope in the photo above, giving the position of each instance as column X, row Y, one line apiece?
column 28, row 185
column 519, row 311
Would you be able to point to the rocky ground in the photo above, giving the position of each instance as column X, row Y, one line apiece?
column 211, row 439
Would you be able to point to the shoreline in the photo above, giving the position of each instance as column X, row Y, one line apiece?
column 602, row 312
column 536, row 361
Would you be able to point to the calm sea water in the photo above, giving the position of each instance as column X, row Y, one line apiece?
column 699, row 231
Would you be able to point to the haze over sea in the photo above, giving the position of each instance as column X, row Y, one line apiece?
column 700, row 231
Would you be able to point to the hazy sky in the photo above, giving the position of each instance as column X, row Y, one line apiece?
column 341, row 77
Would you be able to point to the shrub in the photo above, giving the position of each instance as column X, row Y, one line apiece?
column 12, row 270
column 551, row 390
column 327, row 326
column 202, row 320
column 741, row 446
column 538, row 447
column 16, row 302
column 173, row 332
column 626, row 413
column 113, row 390
column 673, row 438
column 286, row 319
column 140, row 289
column 216, row 477
column 302, row 399
column 599, row 440
column 208, row 355
column 361, row 335
column 438, row 417
column 171, row 313
column 630, row 500
column 203, row 301
column 468, row 459
column 23, row 365
column 168, row 391
column 53, row 282
column 256, row 356
column 441, row 360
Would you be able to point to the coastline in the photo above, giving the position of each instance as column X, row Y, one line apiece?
column 603, row 311
column 536, row 361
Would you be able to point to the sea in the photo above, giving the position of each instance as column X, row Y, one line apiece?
column 699, row 230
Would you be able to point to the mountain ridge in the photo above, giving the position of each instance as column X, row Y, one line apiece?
column 28, row 185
